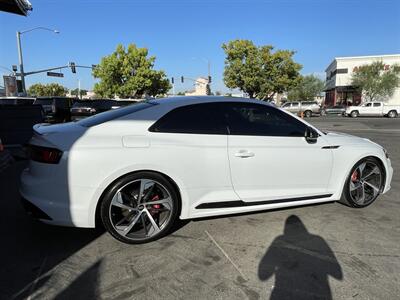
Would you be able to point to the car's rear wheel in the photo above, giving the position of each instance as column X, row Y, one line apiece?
column 392, row 114
column 364, row 183
column 354, row 114
column 140, row 208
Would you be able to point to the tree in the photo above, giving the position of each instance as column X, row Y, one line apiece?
column 129, row 73
column 308, row 87
column 258, row 71
column 51, row 89
column 376, row 81
column 81, row 92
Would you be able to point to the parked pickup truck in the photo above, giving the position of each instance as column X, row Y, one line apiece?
column 373, row 109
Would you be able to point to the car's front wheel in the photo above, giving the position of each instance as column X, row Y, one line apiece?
column 140, row 208
column 364, row 183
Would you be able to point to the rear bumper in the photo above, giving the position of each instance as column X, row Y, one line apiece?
column 57, row 203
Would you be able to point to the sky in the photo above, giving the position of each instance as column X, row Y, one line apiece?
column 184, row 34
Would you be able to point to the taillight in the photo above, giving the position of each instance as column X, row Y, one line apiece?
column 45, row 154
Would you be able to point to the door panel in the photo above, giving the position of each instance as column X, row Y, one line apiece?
column 278, row 167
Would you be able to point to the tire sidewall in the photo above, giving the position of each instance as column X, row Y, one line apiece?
column 108, row 195
column 346, row 191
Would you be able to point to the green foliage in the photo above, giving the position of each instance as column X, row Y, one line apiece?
column 308, row 87
column 258, row 71
column 181, row 93
column 50, row 89
column 375, row 82
column 76, row 91
column 129, row 73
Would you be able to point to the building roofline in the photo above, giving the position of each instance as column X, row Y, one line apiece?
column 361, row 57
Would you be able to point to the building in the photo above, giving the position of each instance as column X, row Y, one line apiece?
column 338, row 89
column 202, row 88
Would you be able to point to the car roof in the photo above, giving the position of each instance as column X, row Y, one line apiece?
column 187, row 100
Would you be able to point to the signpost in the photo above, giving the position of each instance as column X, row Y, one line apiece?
column 55, row 74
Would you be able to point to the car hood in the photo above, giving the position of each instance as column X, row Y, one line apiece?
column 338, row 139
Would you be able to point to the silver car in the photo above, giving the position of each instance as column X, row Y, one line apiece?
column 308, row 108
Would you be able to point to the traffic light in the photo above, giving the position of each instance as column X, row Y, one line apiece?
column 172, row 80
column 209, row 79
column 182, row 79
column 73, row 68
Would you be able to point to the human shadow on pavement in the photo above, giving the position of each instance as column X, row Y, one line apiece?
column 301, row 263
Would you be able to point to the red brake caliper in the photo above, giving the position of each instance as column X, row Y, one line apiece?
column 354, row 176
column 155, row 206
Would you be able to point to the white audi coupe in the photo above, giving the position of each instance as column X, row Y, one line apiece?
column 137, row 169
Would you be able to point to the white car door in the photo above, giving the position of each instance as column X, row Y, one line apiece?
column 269, row 157
column 376, row 109
column 190, row 145
column 366, row 109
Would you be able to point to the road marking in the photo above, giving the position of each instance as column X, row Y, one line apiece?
column 226, row 255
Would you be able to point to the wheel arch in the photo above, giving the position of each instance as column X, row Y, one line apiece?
column 377, row 158
column 97, row 218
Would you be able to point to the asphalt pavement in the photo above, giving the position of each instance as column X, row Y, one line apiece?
column 315, row 252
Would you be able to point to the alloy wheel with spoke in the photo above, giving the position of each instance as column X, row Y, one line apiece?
column 365, row 182
column 140, row 209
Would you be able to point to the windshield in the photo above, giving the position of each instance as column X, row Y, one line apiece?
column 114, row 114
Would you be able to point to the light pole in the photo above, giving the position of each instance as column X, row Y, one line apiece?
column 208, row 64
column 21, row 62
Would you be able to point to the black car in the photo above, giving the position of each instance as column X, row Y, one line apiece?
column 16, row 100
column 85, row 108
column 56, row 109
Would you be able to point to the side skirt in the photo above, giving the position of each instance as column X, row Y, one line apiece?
column 240, row 203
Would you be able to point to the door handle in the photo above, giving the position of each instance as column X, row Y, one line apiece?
column 244, row 154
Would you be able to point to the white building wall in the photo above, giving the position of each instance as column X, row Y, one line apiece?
column 350, row 63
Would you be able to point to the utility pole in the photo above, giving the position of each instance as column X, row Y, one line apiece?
column 21, row 63
column 79, row 89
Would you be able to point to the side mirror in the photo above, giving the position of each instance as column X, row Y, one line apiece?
column 311, row 135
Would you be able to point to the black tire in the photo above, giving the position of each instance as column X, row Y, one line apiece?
column 308, row 113
column 347, row 199
column 354, row 114
column 105, row 210
column 392, row 114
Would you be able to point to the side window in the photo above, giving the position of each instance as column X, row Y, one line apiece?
column 286, row 105
column 368, row 104
column 377, row 104
column 261, row 120
column 195, row 119
column 295, row 104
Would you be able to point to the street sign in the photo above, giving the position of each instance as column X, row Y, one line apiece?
column 55, row 74
column 10, row 84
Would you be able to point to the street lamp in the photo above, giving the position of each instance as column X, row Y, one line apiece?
column 21, row 63
column 208, row 64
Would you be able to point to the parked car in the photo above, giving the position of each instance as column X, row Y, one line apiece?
column 140, row 168
column 56, row 109
column 85, row 108
column 16, row 100
column 378, row 109
column 309, row 108
column 334, row 110
column 121, row 103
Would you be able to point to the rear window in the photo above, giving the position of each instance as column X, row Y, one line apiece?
column 114, row 114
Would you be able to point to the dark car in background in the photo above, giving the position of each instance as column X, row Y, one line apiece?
column 85, row 108
column 334, row 110
column 56, row 109
column 16, row 100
